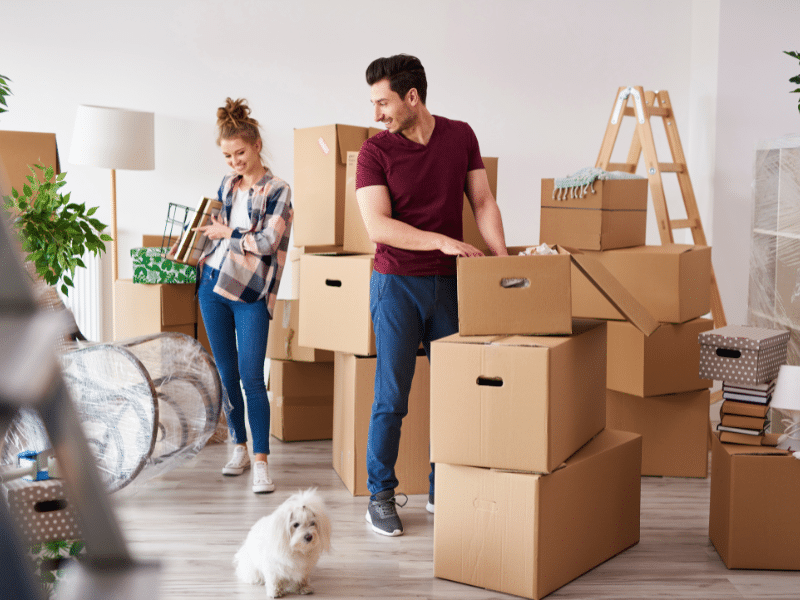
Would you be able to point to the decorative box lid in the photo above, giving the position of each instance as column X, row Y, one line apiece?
column 744, row 338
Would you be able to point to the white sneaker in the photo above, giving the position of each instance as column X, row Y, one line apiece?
column 238, row 462
column 262, row 484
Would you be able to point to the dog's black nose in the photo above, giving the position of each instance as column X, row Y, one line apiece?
column 309, row 537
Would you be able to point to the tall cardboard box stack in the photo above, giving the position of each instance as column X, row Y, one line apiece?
column 532, row 490
column 755, row 486
column 653, row 383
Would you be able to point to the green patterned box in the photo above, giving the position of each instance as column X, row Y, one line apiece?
column 150, row 266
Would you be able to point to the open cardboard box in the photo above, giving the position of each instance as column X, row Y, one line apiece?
column 672, row 281
column 542, row 302
column 529, row 534
column 522, row 402
column 755, row 494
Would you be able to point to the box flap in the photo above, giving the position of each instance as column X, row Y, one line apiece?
column 614, row 292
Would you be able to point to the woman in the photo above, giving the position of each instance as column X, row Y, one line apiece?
column 239, row 273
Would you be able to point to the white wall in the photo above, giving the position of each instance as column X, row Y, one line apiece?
column 754, row 104
column 536, row 80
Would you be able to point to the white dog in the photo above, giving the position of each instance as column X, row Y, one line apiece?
column 282, row 549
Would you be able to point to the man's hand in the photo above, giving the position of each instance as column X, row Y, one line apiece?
column 456, row 248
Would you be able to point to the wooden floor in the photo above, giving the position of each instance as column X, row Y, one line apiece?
column 193, row 519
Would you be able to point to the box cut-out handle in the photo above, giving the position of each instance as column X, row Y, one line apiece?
column 515, row 282
column 333, row 282
column 46, row 506
column 729, row 353
column 490, row 381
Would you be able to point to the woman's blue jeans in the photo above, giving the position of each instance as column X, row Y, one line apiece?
column 237, row 332
column 406, row 310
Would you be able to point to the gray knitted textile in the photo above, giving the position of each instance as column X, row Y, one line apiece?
column 579, row 183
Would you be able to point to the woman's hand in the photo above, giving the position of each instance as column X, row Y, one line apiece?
column 216, row 230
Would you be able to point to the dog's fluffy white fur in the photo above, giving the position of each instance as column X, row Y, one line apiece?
column 281, row 549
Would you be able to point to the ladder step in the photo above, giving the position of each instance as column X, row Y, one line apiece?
column 682, row 224
column 653, row 111
column 624, row 167
column 671, row 167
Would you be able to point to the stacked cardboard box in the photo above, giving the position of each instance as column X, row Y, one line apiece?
column 653, row 384
column 518, row 433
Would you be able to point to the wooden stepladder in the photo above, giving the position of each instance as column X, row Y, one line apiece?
column 647, row 105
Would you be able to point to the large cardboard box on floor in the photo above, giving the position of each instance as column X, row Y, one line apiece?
column 146, row 308
column 519, row 402
column 283, row 341
column 531, row 294
column 356, row 238
column 354, row 389
column 672, row 281
column 674, row 430
column 663, row 363
column 320, row 160
column 613, row 214
column 529, row 534
column 301, row 400
column 334, row 313
column 755, row 494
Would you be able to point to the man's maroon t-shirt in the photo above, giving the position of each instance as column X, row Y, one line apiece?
column 426, row 185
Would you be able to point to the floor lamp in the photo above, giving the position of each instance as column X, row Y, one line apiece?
column 113, row 138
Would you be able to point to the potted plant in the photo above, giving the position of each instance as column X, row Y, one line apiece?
column 55, row 233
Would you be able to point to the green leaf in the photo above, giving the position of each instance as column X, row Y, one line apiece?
column 60, row 176
column 795, row 79
column 48, row 173
column 792, row 54
column 65, row 290
column 91, row 211
column 106, row 238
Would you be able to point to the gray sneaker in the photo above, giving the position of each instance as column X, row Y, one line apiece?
column 430, row 506
column 382, row 513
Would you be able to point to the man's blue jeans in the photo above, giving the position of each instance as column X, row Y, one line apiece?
column 228, row 324
column 406, row 310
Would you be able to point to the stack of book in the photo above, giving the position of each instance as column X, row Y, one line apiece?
column 744, row 414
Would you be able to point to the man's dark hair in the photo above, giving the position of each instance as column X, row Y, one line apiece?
column 403, row 72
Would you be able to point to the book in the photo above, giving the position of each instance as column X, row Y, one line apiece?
column 733, row 407
column 760, row 389
column 742, row 430
column 751, row 398
column 729, row 437
column 190, row 247
column 743, row 421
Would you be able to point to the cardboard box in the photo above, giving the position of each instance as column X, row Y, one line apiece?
column 320, row 159
column 614, row 216
column 755, row 492
column 356, row 238
column 531, row 295
column 334, row 314
column 674, row 430
column 529, row 534
column 663, row 363
column 282, row 343
column 42, row 511
column 20, row 150
column 354, row 390
column 301, row 400
column 151, row 266
column 142, row 309
column 672, row 282
column 522, row 403
column 743, row 355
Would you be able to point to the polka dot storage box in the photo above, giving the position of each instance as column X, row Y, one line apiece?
column 742, row 355
column 41, row 511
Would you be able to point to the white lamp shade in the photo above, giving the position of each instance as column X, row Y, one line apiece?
column 786, row 396
column 113, row 138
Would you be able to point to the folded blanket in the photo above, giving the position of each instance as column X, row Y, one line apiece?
column 577, row 184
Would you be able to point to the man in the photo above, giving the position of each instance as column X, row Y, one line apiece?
column 410, row 184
